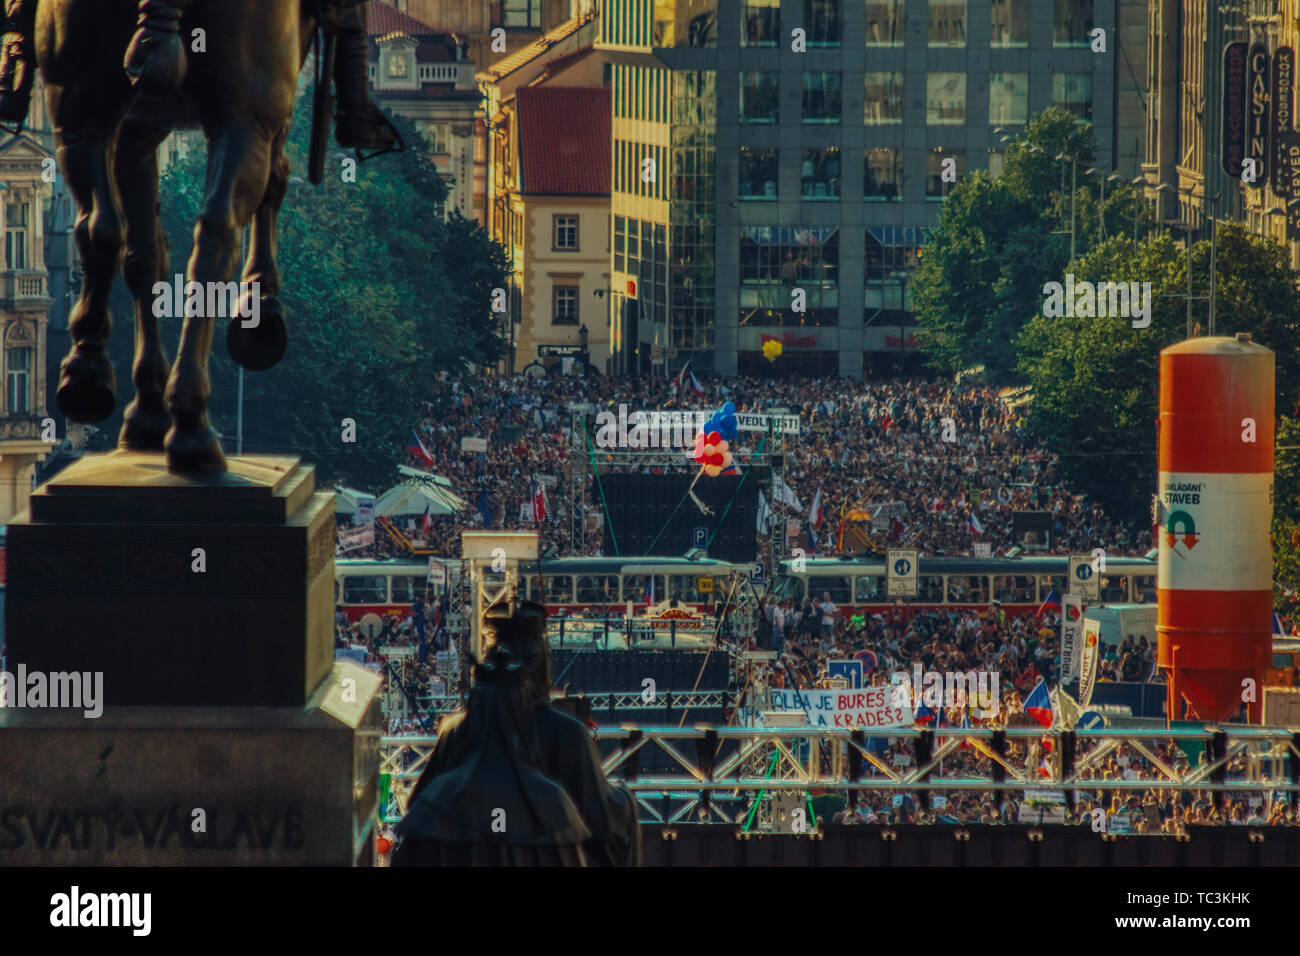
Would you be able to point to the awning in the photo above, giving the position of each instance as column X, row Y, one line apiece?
column 414, row 499
column 345, row 500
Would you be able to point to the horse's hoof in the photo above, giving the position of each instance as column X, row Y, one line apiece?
column 261, row 346
column 86, row 387
column 194, row 452
column 143, row 431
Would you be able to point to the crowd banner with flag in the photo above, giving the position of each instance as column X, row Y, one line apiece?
column 1038, row 704
column 416, row 448
column 815, row 512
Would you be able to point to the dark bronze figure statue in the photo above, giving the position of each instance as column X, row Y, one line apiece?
column 564, row 747
column 492, row 804
column 119, row 76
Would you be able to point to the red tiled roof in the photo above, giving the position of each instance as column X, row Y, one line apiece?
column 564, row 140
column 382, row 20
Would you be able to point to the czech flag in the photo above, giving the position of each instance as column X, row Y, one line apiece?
column 416, row 448
column 1052, row 600
column 426, row 524
column 1278, row 629
column 686, row 379
column 973, row 524
column 1039, row 705
column 924, row 715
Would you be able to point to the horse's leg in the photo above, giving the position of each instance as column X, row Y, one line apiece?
column 146, row 419
column 239, row 160
column 86, row 119
column 261, row 346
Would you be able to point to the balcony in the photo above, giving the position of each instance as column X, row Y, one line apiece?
column 23, row 288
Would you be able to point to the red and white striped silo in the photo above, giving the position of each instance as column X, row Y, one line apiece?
column 1215, row 507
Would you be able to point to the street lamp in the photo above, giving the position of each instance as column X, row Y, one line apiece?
column 582, row 341
column 1074, row 191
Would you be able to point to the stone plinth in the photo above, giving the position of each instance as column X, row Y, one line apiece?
column 187, row 786
column 181, row 591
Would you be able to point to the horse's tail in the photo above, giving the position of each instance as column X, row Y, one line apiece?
column 156, row 61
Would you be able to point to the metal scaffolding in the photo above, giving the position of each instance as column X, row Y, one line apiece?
column 714, row 766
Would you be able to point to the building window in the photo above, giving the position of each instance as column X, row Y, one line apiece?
column 19, row 371
column 565, row 311
column 945, row 103
column 882, row 174
column 566, row 232
column 997, row 158
column 885, row 19
column 1071, row 22
column 16, row 235
column 439, row 137
column 821, row 97
column 821, row 173
column 694, row 24
column 397, row 66
column 758, row 173
column 947, row 22
column 521, row 13
column 937, row 161
column 789, row 256
column 883, row 104
column 1008, row 99
column 821, row 18
column 1073, row 92
column 759, row 95
column 760, row 22
column 1010, row 23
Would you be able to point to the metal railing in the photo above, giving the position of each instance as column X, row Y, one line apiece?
column 716, row 764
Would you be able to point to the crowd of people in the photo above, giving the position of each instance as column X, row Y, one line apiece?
column 936, row 453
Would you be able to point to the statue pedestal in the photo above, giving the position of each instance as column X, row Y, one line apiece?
column 180, row 591
column 191, row 786
column 198, row 612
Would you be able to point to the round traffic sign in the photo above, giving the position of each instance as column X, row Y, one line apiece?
column 902, row 566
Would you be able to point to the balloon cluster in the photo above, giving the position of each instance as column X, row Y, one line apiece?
column 772, row 349
column 713, row 442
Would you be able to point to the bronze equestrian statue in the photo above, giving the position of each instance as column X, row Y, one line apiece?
column 119, row 76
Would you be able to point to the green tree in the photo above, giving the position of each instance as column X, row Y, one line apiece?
column 381, row 296
column 999, row 240
column 1096, row 380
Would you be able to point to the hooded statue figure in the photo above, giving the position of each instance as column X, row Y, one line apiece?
column 491, row 803
column 565, row 748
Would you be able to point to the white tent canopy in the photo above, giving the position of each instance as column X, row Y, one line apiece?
column 345, row 500
column 416, row 498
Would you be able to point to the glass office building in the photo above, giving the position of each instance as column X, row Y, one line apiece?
column 777, row 162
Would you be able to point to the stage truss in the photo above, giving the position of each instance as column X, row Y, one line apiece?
column 713, row 780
